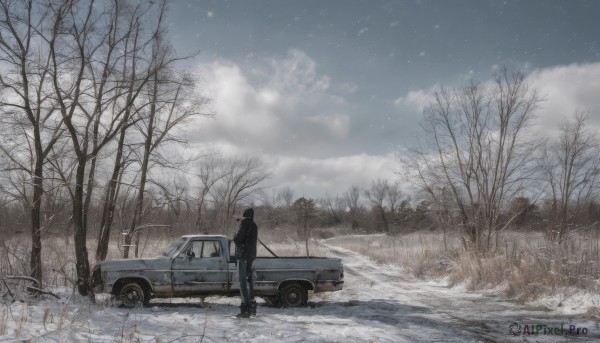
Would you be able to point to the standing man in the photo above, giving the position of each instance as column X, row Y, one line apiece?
column 245, row 251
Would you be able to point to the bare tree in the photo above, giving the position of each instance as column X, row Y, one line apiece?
column 226, row 183
column 242, row 178
column 352, row 199
column 286, row 197
column 15, row 183
column 394, row 196
column 112, row 190
column 87, row 53
column 172, row 102
column 334, row 208
column 572, row 167
column 209, row 175
column 278, row 207
column 25, row 100
column 377, row 199
column 305, row 212
column 478, row 150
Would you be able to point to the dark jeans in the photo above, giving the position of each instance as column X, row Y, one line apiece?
column 245, row 277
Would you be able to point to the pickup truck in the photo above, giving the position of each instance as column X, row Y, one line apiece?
column 202, row 265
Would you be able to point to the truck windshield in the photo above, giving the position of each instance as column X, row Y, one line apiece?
column 174, row 247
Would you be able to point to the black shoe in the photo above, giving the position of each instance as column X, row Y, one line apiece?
column 244, row 311
column 252, row 308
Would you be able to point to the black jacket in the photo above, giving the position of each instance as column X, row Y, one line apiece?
column 245, row 240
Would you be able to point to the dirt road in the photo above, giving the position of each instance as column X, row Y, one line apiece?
column 408, row 306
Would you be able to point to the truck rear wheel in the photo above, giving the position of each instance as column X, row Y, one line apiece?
column 132, row 294
column 293, row 294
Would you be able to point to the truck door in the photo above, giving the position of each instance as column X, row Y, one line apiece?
column 200, row 268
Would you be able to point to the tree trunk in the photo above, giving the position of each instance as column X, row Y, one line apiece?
column 139, row 207
column 36, row 227
column 384, row 219
column 307, row 237
column 80, row 234
column 563, row 221
column 110, row 203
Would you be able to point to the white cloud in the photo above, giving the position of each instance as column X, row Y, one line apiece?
column 284, row 108
column 417, row 100
column 287, row 113
column 315, row 177
column 337, row 124
column 567, row 89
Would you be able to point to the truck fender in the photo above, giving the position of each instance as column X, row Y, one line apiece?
column 142, row 281
column 307, row 284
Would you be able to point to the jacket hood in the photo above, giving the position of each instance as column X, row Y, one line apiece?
column 248, row 213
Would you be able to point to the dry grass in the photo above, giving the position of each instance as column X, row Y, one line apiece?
column 287, row 243
column 524, row 266
column 528, row 266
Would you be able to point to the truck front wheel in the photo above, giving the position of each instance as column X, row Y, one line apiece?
column 132, row 294
column 293, row 295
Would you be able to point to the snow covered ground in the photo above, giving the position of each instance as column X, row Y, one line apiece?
column 379, row 303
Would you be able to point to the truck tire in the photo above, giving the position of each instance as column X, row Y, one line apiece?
column 293, row 294
column 132, row 294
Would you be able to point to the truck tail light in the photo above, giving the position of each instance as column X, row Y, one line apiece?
column 342, row 274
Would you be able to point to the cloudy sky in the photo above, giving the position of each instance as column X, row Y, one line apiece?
column 326, row 92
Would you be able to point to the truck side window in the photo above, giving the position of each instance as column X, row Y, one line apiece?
column 196, row 248
column 211, row 249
